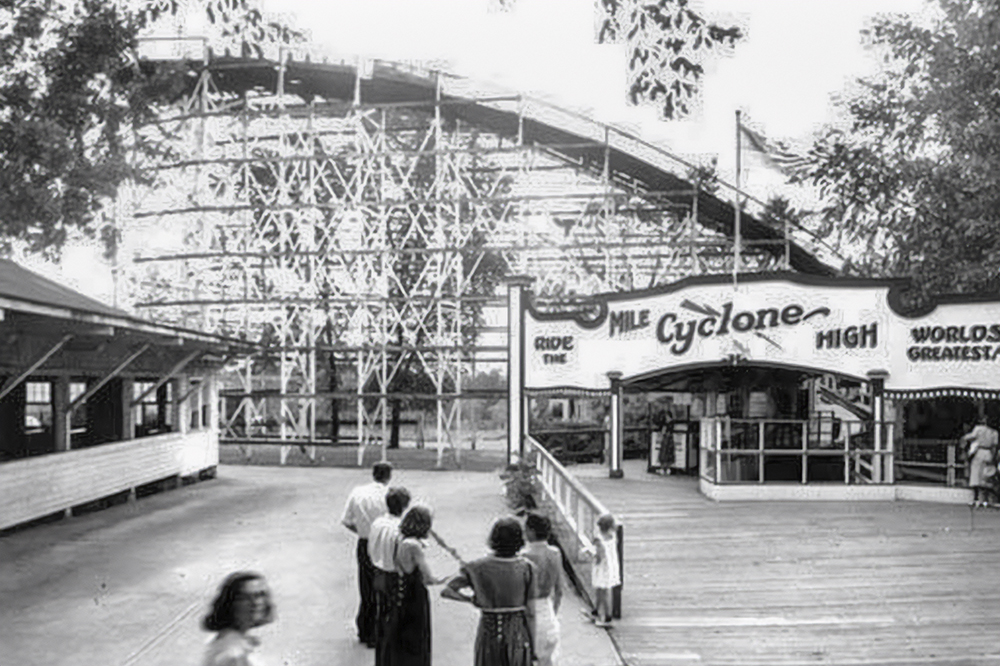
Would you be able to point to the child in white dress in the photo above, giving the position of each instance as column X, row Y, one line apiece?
column 606, row 573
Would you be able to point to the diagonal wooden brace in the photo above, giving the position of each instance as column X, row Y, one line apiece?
column 163, row 380
column 12, row 384
column 111, row 375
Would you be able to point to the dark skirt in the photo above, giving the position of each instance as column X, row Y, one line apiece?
column 407, row 640
column 503, row 639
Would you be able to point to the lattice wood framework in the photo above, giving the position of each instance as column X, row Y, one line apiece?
column 372, row 234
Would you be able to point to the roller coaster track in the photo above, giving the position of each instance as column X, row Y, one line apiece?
column 358, row 213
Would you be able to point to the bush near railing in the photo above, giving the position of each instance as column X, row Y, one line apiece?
column 521, row 487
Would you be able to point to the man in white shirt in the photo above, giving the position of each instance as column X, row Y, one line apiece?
column 382, row 540
column 364, row 505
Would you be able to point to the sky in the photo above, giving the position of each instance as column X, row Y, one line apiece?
column 798, row 54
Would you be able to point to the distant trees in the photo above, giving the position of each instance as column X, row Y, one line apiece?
column 913, row 184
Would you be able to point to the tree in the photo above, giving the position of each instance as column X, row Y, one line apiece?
column 73, row 99
column 913, row 183
column 666, row 42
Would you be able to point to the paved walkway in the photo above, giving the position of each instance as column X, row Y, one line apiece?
column 128, row 586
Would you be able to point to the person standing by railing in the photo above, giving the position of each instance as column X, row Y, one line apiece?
column 982, row 441
column 548, row 588
column 606, row 573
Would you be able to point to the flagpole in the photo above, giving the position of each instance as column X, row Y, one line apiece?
column 737, row 233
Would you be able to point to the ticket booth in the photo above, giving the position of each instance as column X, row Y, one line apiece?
column 793, row 386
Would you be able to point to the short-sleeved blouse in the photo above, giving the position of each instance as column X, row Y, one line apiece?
column 548, row 565
column 405, row 559
column 499, row 582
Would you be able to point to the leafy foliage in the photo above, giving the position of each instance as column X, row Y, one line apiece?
column 705, row 177
column 73, row 97
column 913, row 185
column 666, row 43
column 778, row 212
column 521, row 486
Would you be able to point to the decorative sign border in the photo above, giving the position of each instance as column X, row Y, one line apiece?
column 851, row 327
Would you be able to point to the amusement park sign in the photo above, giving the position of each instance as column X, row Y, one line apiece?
column 847, row 327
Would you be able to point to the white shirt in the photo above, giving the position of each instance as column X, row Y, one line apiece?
column 382, row 540
column 365, row 504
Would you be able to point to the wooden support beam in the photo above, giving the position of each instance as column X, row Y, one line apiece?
column 163, row 380
column 111, row 375
column 11, row 384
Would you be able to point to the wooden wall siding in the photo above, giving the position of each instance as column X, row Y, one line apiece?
column 792, row 582
column 36, row 487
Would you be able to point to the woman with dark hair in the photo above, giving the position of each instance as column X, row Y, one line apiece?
column 242, row 603
column 548, row 588
column 502, row 584
column 407, row 640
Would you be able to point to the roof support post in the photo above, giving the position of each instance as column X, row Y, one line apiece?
column 61, row 420
column 882, row 463
column 616, row 427
column 107, row 378
column 12, row 384
column 517, row 415
column 170, row 375
column 195, row 387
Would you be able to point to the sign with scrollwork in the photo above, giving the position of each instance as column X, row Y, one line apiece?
column 849, row 327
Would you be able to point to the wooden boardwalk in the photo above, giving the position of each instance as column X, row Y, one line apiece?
column 781, row 583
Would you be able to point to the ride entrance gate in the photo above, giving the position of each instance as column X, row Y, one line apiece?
column 793, row 386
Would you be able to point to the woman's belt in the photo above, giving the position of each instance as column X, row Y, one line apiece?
column 502, row 611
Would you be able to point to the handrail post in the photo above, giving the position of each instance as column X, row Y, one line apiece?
column 951, row 466
column 616, row 591
column 760, row 454
column 805, row 451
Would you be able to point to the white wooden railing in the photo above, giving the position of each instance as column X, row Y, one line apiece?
column 577, row 512
column 739, row 450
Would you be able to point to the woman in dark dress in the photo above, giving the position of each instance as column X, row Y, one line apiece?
column 501, row 585
column 408, row 630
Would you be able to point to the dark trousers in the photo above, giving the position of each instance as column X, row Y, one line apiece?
column 385, row 583
column 366, row 621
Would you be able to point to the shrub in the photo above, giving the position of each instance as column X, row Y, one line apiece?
column 520, row 485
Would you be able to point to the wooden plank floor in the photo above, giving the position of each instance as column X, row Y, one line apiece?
column 782, row 583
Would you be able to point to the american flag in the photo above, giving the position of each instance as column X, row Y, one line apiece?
column 775, row 153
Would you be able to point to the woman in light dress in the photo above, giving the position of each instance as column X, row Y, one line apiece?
column 982, row 442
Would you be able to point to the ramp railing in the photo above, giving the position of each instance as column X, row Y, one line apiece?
column 576, row 511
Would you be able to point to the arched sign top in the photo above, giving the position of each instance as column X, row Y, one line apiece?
column 840, row 326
